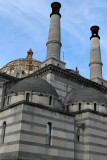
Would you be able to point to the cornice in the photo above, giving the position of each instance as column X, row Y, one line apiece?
column 57, row 42
column 73, row 114
column 95, row 62
column 69, row 75
column 90, row 111
column 6, row 78
column 23, row 102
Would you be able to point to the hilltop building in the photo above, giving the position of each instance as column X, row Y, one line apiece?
column 49, row 112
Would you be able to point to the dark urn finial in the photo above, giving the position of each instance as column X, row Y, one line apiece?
column 55, row 8
column 94, row 31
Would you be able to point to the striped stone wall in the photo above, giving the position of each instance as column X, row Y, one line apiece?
column 9, row 149
column 93, row 138
column 25, row 134
column 33, row 135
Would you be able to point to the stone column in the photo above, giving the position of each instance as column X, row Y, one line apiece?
column 95, row 55
column 54, row 42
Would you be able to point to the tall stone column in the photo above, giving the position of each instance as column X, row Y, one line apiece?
column 95, row 55
column 54, row 40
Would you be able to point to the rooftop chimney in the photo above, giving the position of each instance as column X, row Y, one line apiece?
column 54, row 42
column 95, row 55
column 54, row 39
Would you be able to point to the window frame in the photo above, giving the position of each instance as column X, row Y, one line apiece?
column 95, row 106
column 3, row 132
column 49, row 133
column 50, row 100
column 79, row 106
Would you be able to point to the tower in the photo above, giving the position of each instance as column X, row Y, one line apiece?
column 54, row 38
column 95, row 55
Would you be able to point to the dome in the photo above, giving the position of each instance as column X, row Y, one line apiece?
column 86, row 95
column 22, row 67
column 33, row 84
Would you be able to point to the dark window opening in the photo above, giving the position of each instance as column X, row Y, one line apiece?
column 79, row 106
column 67, row 108
column 40, row 94
column 78, row 135
column 48, row 133
column 23, row 72
column 27, row 97
column 8, row 98
column 78, row 138
column 95, row 106
column 3, row 131
column 50, row 100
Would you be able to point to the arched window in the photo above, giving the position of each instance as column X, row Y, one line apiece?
column 50, row 100
column 27, row 97
column 48, row 133
column 95, row 106
column 3, row 131
column 79, row 106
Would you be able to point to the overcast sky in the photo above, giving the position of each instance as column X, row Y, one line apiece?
column 24, row 24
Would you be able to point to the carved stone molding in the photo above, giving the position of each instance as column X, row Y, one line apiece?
column 69, row 75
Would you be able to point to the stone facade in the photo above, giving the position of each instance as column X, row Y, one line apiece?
column 25, row 136
column 55, row 113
